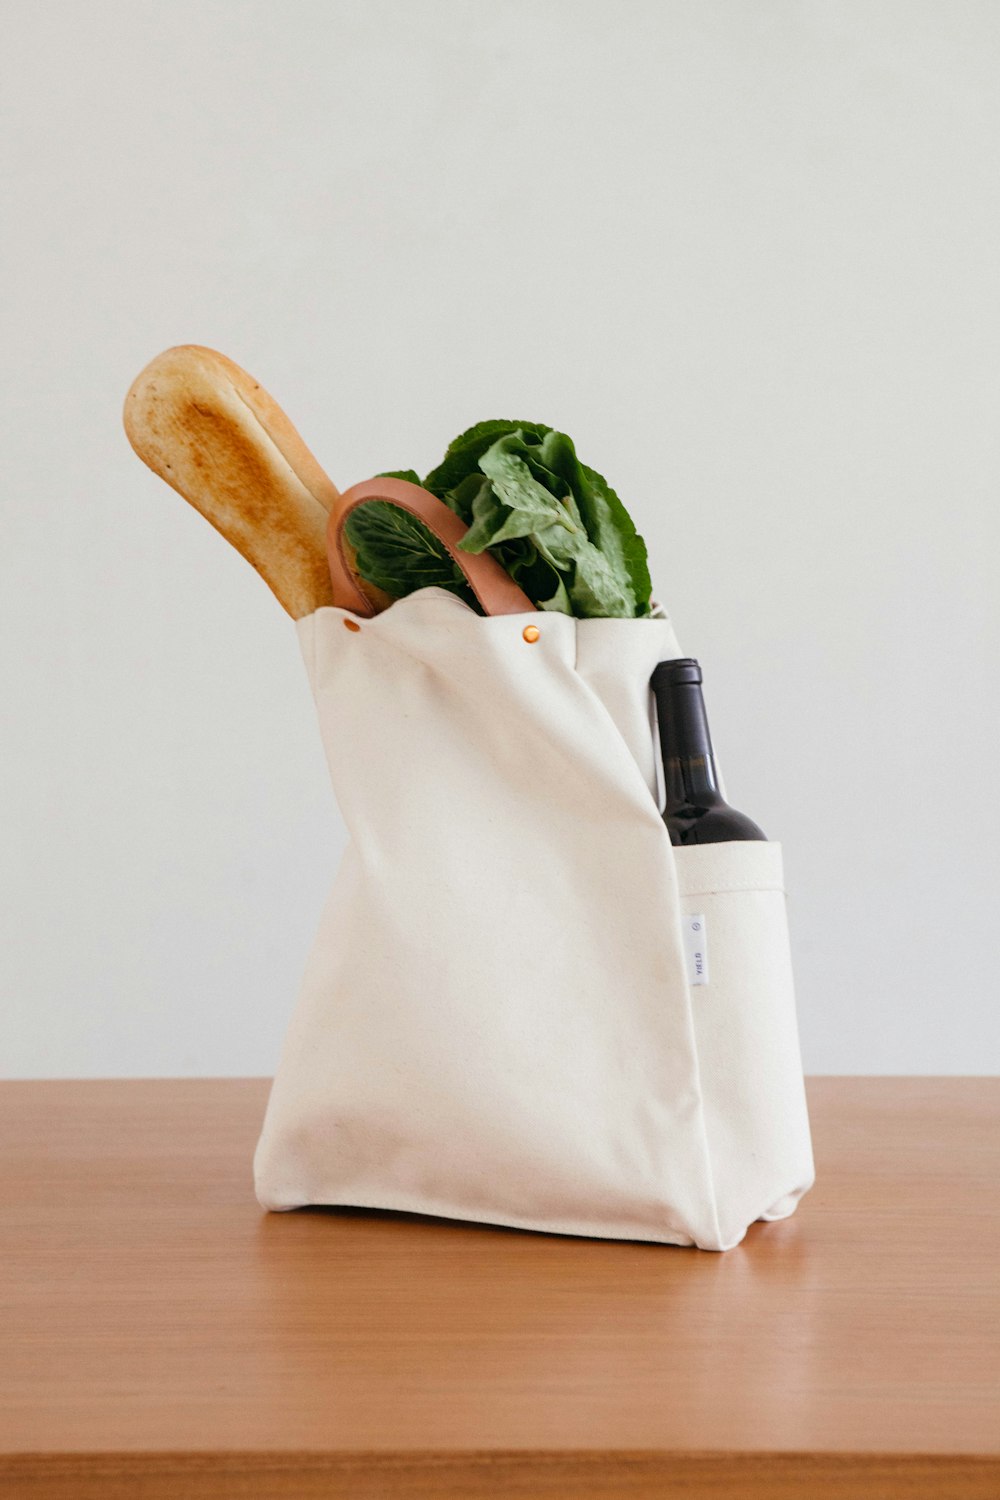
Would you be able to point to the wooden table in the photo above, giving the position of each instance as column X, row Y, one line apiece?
column 161, row 1336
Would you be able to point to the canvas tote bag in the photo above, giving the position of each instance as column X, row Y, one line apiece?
column 497, row 1021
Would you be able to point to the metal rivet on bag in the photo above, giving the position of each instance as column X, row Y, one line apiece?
column 531, row 633
column 351, row 625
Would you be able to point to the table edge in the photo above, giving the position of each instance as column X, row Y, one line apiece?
column 736, row 1473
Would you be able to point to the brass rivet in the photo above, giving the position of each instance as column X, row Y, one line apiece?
column 351, row 625
column 531, row 633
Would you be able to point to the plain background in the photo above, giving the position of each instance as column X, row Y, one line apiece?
column 745, row 253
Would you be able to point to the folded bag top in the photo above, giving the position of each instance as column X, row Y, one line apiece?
column 496, row 1021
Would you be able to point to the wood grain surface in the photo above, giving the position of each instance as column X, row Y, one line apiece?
column 162, row 1336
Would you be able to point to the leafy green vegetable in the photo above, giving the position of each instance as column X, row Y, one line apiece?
column 555, row 525
column 529, row 498
column 397, row 552
column 410, row 474
column 464, row 453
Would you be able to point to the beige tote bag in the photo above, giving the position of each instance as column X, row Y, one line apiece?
column 502, row 1018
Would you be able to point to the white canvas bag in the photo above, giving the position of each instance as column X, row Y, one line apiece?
column 496, row 1021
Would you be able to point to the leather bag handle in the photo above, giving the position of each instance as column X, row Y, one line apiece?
column 493, row 587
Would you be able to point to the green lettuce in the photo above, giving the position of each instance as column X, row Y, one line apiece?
column 555, row 525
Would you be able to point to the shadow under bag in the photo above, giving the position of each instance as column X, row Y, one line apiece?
column 496, row 1021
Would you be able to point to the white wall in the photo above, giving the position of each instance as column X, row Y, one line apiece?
column 746, row 253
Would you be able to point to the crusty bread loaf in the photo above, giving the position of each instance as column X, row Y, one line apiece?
column 214, row 434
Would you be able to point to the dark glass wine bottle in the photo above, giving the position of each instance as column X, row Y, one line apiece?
column 695, row 812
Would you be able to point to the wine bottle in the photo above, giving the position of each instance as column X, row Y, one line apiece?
column 695, row 810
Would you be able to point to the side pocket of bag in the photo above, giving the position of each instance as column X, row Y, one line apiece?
column 743, row 1005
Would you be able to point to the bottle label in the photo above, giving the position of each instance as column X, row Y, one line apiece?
column 695, row 948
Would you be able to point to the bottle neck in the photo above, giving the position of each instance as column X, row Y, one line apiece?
column 688, row 760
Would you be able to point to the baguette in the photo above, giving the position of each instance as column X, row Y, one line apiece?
column 216, row 436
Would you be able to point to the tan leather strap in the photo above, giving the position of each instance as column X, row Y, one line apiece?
column 493, row 587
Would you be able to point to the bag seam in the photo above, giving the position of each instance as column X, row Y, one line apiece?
column 723, row 890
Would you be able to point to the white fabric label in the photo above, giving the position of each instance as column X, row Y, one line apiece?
column 696, row 949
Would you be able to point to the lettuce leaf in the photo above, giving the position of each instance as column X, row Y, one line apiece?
column 398, row 553
column 555, row 525
column 531, row 495
column 465, row 451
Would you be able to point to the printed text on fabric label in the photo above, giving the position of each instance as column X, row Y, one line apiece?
column 696, row 949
